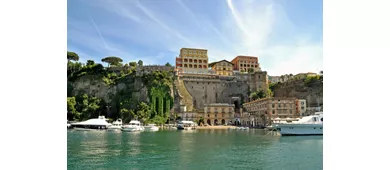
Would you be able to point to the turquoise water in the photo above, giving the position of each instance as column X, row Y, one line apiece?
column 202, row 149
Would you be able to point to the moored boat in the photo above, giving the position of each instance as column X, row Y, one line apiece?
column 99, row 123
column 133, row 126
column 186, row 125
column 151, row 128
column 116, row 125
column 308, row 125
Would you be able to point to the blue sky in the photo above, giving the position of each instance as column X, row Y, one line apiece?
column 286, row 35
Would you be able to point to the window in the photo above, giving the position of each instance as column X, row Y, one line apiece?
column 290, row 111
column 215, row 115
column 208, row 115
column 273, row 111
column 279, row 105
column 302, row 103
column 302, row 108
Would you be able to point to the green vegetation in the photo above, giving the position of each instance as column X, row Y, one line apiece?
column 72, row 56
column 311, row 80
column 258, row 95
column 123, row 104
column 113, row 61
column 251, row 70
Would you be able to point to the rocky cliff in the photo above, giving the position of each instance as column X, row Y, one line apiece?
column 297, row 88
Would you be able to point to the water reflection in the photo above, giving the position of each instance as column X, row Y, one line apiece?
column 195, row 149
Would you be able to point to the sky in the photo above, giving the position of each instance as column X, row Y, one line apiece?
column 285, row 35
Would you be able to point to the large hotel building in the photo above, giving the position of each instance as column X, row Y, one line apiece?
column 192, row 60
column 267, row 109
column 243, row 63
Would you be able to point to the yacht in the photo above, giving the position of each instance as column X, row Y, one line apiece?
column 117, row 125
column 186, row 125
column 308, row 125
column 69, row 126
column 133, row 126
column 151, row 128
column 99, row 123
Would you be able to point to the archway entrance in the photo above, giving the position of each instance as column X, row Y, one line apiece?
column 208, row 122
column 215, row 121
column 236, row 105
column 223, row 121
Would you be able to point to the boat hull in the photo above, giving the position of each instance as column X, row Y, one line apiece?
column 300, row 129
column 185, row 128
column 114, row 129
column 135, row 129
column 151, row 129
column 86, row 129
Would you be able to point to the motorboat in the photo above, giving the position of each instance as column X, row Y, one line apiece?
column 69, row 126
column 116, row 125
column 308, row 125
column 99, row 123
column 151, row 128
column 239, row 128
column 133, row 126
column 186, row 125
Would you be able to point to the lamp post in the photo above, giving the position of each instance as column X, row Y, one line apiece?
column 108, row 110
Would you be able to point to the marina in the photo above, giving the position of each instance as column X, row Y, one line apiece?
column 192, row 149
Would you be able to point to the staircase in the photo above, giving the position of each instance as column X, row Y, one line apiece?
column 185, row 96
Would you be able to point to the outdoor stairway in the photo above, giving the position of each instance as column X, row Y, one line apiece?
column 185, row 96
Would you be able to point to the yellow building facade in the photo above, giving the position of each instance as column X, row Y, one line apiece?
column 222, row 67
column 218, row 114
column 192, row 60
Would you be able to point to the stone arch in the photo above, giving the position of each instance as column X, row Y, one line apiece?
column 223, row 121
column 208, row 122
column 215, row 121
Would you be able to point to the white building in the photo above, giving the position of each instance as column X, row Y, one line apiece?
column 301, row 107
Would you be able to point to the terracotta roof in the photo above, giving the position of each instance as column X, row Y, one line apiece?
column 213, row 63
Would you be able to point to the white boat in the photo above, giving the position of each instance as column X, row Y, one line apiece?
column 133, row 126
column 117, row 125
column 186, row 125
column 69, row 126
column 308, row 125
column 99, row 123
column 151, row 128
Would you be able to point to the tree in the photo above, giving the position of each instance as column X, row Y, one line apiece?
column 321, row 72
column 251, row 70
column 127, row 115
column 88, row 106
column 112, row 60
column 133, row 64
column 143, row 111
column 72, row 112
column 90, row 62
column 73, row 56
column 261, row 94
column 253, row 96
column 168, row 65
column 140, row 63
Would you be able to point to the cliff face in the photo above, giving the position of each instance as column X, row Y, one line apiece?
column 298, row 89
column 95, row 86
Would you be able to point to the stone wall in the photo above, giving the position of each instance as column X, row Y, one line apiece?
column 297, row 88
column 216, row 89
